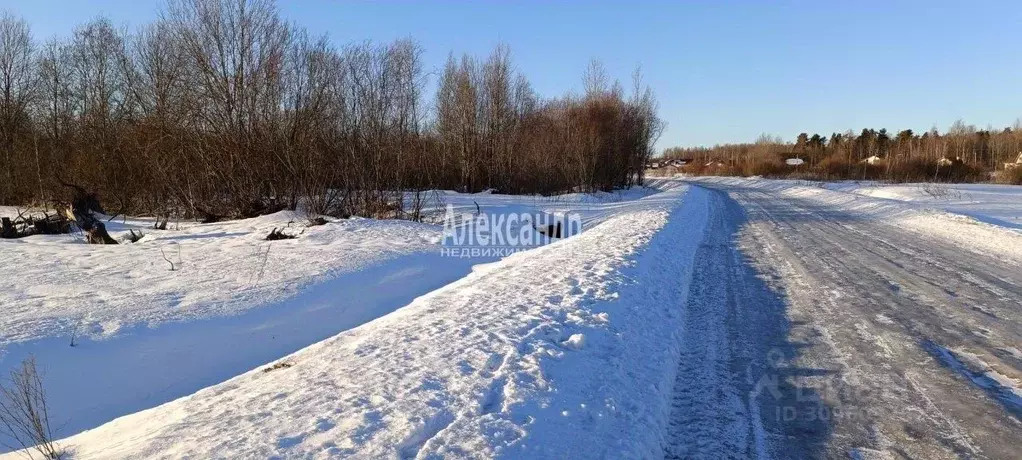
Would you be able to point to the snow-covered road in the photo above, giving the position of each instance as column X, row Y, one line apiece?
column 816, row 331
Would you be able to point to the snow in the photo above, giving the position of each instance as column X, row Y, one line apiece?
column 567, row 350
column 360, row 339
column 575, row 342
column 990, row 203
column 901, row 327
column 219, row 269
column 982, row 222
column 145, row 334
column 1005, row 388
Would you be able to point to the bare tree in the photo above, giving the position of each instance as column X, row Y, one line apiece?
column 24, row 416
column 17, row 88
column 221, row 109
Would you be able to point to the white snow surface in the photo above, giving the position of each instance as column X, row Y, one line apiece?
column 990, row 203
column 358, row 339
column 568, row 350
column 145, row 335
column 982, row 222
column 219, row 269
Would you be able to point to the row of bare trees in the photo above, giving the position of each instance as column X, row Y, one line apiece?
column 962, row 153
column 221, row 109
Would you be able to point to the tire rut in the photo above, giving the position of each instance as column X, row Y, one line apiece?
column 873, row 300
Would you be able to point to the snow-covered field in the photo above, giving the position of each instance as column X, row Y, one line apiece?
column 552, row 353
column 145, row 334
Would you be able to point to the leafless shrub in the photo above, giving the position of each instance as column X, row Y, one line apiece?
column 262, row 265
column 164, row 254
column 941, row 191
column 76, row 329
column 1011, row 176
column 135, row 237
column 24, row 416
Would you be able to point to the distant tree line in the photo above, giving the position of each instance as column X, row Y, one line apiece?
column 222, row 109
column 961, row 154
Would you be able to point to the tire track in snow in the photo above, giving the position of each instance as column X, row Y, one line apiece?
column 708, row 416
column 880, row 298
column 731, row 387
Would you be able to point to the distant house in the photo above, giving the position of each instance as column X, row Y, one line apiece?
column 1016, row 164
column 873, row 160
column 948, row 161
column 676, row 163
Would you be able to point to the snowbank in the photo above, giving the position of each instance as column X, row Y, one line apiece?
column 990, row 203
column 960, row 228
column 553, row 353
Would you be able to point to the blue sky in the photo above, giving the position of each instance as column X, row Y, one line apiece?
column 724, row 71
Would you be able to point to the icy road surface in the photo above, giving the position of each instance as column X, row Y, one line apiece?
column 815, row 331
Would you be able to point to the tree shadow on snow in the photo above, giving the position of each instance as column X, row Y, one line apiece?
column 797, row 421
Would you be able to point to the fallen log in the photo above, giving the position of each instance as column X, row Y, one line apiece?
column 22, row 226
column 51, row 224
